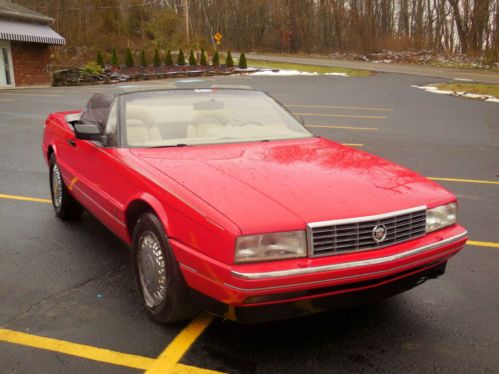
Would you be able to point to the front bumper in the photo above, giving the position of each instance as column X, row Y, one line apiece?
column 328, row 299
column 282, row 289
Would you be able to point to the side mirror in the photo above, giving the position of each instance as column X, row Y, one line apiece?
column 89, row 131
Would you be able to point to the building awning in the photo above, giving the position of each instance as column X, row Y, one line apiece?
column 29, row 32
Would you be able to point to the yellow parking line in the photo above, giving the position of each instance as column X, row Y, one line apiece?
column 463, row 180
column 353, row 144
column 39, row 90
column 24, row 198
column 93, row 88
column 339, row 115
column 48, row 201
column 176, row 349
column 74, row 349
column 7, row 100
column 16, row 94
column 343, row 127
column 107, row 356
column 483, row 244
column 339, row 107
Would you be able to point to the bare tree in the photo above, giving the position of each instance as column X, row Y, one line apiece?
column 470, row 26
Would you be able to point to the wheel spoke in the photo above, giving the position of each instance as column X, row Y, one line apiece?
column 56, row 186
column 152, row 269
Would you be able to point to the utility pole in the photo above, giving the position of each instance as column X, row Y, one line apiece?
column 186, row 15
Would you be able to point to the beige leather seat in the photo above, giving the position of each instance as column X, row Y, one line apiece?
column 203, row 121
column 140, row 128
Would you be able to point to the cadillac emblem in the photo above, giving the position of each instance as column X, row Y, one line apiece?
column 379, row 233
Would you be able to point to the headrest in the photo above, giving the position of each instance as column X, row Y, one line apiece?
column 136, row 112
column 207, row 115
column 98, row 108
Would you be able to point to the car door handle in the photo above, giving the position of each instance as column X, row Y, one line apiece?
column 71, row 142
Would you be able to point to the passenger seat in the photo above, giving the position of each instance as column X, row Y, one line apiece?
column 140, row 126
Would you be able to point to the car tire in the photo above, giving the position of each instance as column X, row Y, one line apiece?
column 65, row 206
column 161, row 284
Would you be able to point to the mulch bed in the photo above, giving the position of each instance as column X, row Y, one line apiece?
column 110, row 75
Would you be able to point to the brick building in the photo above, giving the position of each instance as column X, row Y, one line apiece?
column 25, row 42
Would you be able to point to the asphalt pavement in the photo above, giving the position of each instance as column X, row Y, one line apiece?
column 484, row 76
column 68, row 302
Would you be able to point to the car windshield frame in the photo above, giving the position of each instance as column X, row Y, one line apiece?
column 129, row 97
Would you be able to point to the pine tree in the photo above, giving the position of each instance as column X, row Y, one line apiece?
column 168, row 58
column 192, row 59
column 215, row 61
column 180, row 58
column 229, row 62
column 202, row 60
column 114, row 58
column 128, row 58
column 100, row 59
column 143, row 60
column 156, row 60
column 243, row 64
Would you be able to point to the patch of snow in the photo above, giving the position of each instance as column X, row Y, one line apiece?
column 283, row 73
column 338, row 74
column 433, row 89
column 188, row 80
column 287, row 73
column 463, row 79
column 470, row 95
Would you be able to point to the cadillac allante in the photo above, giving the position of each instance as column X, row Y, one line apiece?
column 231, row 205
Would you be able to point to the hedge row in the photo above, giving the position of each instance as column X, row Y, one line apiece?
column 168, row 60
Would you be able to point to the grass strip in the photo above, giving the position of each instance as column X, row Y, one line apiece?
column 308, row 68
column 474, row 88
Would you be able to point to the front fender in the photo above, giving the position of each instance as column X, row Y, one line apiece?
column 156, row 206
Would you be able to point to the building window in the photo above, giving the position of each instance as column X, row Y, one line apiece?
column 6, row 71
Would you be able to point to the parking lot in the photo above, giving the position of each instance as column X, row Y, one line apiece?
column 68, row 302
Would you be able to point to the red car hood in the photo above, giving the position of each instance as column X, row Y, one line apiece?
column 282, row 185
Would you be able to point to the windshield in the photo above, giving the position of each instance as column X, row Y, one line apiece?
column 205, row 116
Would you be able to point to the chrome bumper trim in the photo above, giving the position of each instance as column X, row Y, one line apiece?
column 348, row 265
column 335, row 279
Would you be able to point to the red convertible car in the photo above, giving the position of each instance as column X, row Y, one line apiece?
column 232, row 206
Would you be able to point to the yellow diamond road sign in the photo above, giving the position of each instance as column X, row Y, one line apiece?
column 218, row 36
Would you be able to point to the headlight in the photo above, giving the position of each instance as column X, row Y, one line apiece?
column 441, row 216
column 274, row 246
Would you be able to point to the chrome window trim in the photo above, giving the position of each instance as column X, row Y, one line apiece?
column 348, row 265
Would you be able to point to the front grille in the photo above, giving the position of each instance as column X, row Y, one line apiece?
column 329, row 238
